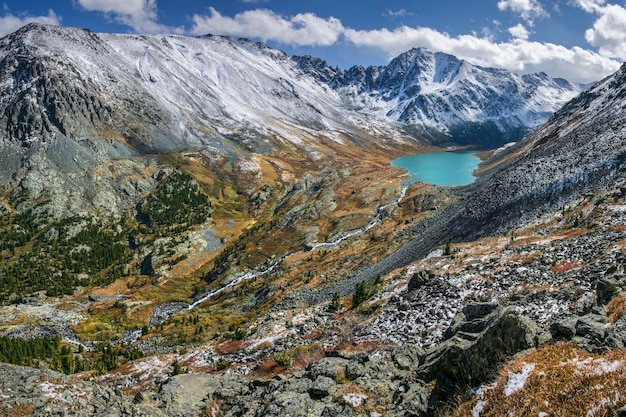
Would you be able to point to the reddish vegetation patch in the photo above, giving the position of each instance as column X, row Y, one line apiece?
column 304, row 360
column 18, row 410
column 266, row 370
column 616, row 308
column 554, row 380
column 564, row 266
column 228, row 347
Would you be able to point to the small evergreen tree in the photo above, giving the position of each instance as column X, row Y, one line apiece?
column 335, row 305
column 363, row 292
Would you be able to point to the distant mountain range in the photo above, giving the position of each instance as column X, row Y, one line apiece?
column 72, row 99
column 448, row 99
column 184, row 91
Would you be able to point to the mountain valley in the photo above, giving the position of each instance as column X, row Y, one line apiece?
column 207, row 226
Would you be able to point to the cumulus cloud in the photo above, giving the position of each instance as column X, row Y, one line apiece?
column 608, row 32
column 589, row 5
column 527, row 9
column 301, row 29
column 519, row 55
column 140, row 15
column 519, row 31
column 10, row 23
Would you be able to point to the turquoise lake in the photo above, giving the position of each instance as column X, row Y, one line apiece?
column 440, row 168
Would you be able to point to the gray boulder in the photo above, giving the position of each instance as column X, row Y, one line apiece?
column 187, row 394
column 408, row 356
column 419, row 279
column 564, row 329
column 322, row 387
column 481, row 338
column 415, row 400
column 591, row 327
column 606, row 288
column 331, row 367
column 291, row 404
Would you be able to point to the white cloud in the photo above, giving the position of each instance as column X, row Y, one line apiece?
column 140, row 15
column 609, row 30
column 301, row 29
column 589, row 5
column 397, row 13
column 575, row 64
column 519, row 31
column 527, row 9
column 10, row 23
column 519, row 54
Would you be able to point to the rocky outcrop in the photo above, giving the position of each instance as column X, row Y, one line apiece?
column 342, row 384
column 481, row 338
column 28, row 391
column 397, row 382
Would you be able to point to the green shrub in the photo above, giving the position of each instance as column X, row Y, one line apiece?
column 285, row 359
column 222, row 364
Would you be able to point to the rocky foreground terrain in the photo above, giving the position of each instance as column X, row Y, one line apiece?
column 441, row 324
column 319, row 284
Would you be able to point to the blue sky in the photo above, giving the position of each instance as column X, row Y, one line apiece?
column 582, row 40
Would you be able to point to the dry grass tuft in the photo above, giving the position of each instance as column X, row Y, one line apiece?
column 555, row 380
column 616, row 308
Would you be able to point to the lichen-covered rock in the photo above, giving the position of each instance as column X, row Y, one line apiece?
column 188, row 394
column 321, row 387
column 331, row 367
column 292, row 405
column 408, row 356
column 481, row 337
column 47, row 393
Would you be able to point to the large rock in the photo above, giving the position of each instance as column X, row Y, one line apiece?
column 606, row 288
column 419, row 279
column 187, row 394
column 415, row 400
column 291, row 404
column 331, row 367
column 408, row 356
column 481, row 337
column 322, row 387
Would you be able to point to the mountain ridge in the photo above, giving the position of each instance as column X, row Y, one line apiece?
column 440, row 92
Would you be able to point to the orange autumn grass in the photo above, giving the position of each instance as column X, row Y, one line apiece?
column 565, row 381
